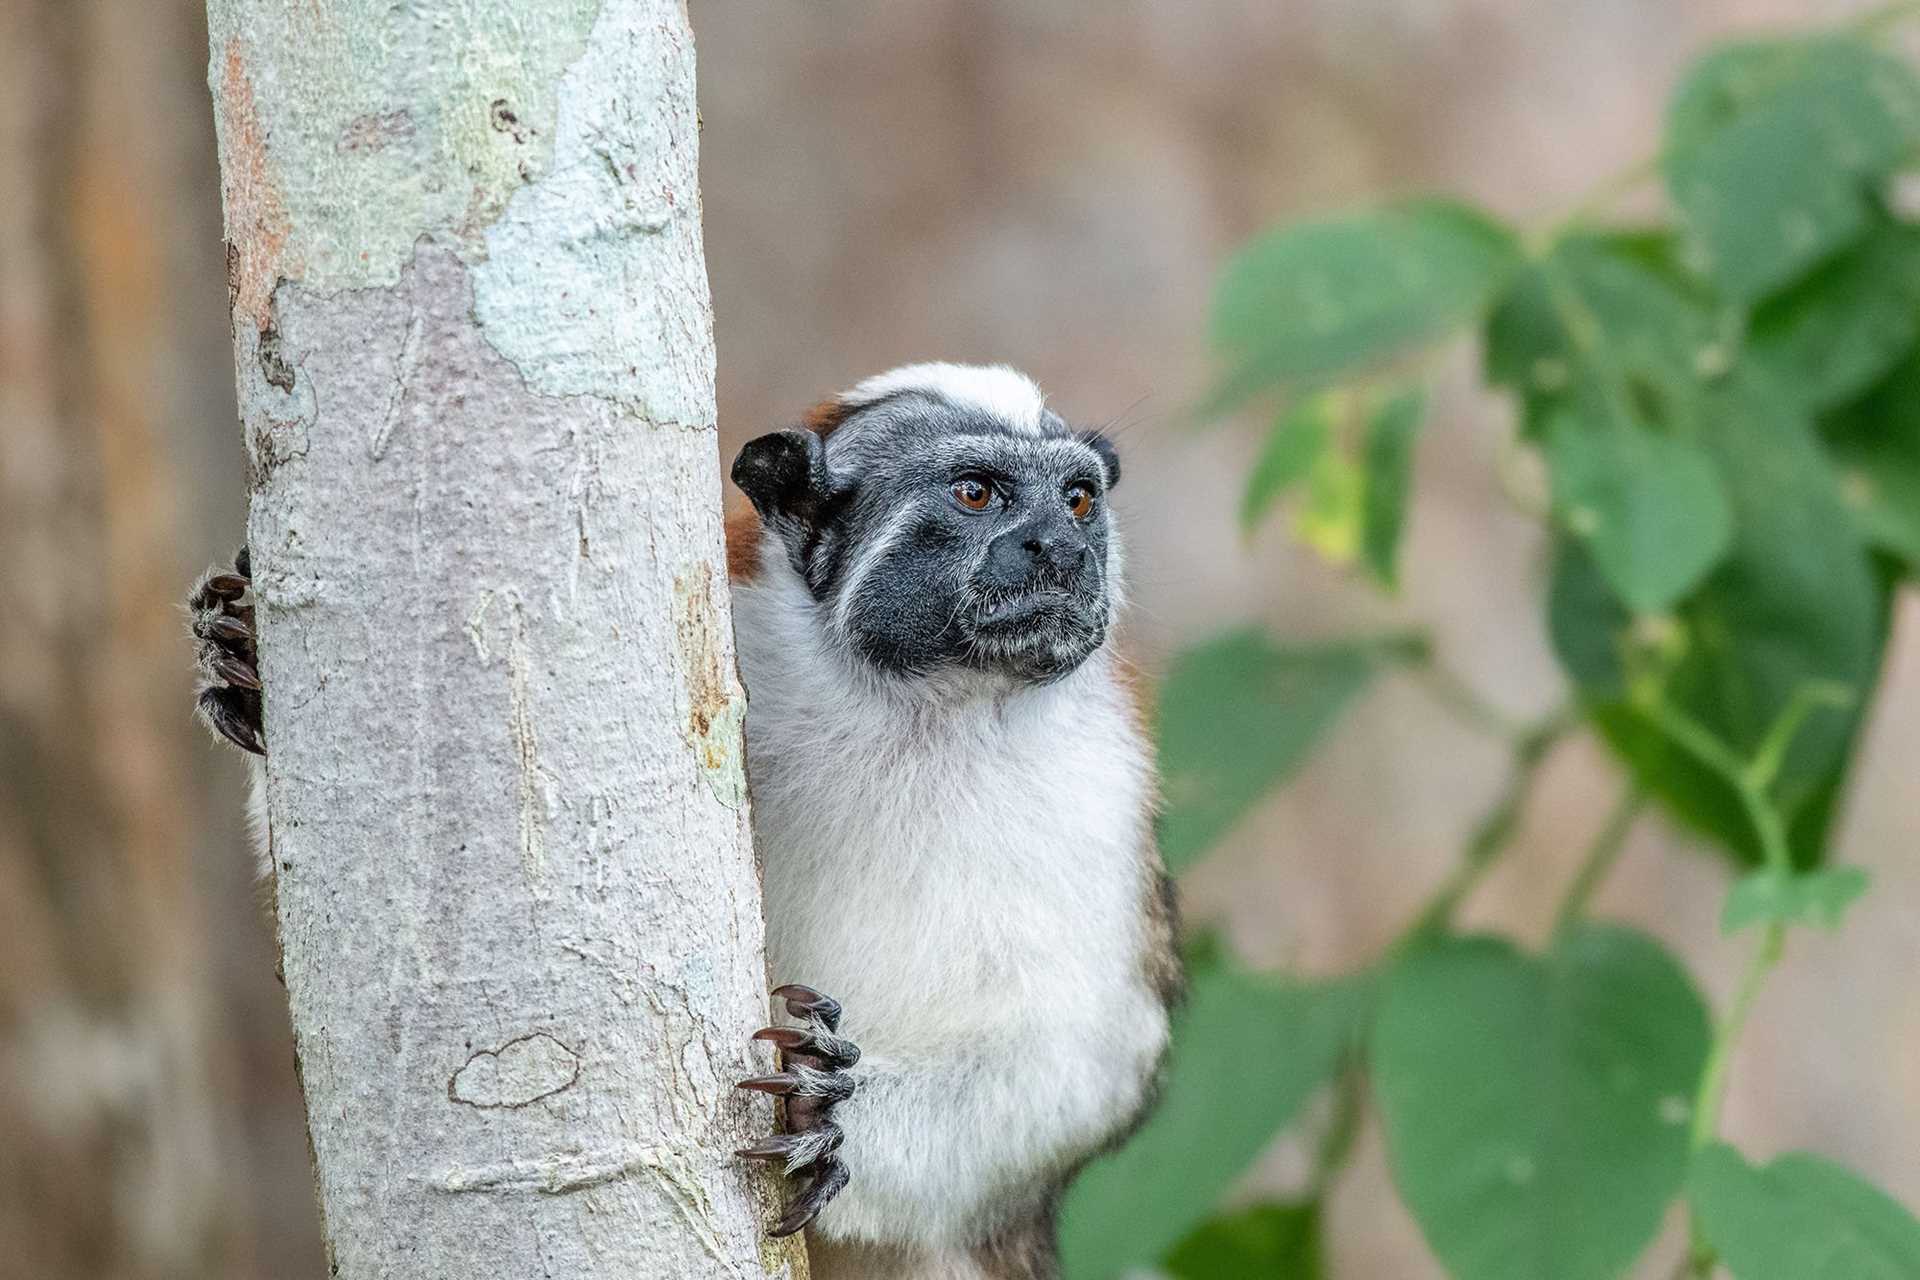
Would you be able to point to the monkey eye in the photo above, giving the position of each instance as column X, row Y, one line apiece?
column 1079, row 498
column 972, row 492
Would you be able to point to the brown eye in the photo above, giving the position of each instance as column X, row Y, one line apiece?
column 1079, row 501
column 972, row 492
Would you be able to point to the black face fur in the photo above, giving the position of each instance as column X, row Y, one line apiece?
column 935, row 534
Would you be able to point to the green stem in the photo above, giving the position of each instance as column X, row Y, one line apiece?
column 1494, row 833
column 1596, row 200
column 1713, row 1078
column 1601, row 856
column 1446, row 687
column 1711, row 1094
column 1806, row 699
column 1751, row 781
column 1748, row 779
column 1343, row 1128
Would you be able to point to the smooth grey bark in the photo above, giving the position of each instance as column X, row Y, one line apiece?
column 505, row 798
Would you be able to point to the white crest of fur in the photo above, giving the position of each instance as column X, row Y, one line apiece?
column 960, row 861
column 998, row 389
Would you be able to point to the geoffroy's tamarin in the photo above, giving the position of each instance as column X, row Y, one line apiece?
column 952, row 794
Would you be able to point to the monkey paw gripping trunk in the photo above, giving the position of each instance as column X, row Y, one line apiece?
column 508, row 825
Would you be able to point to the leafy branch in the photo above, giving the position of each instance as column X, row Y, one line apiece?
column 1751, row 779
column 1694, row 390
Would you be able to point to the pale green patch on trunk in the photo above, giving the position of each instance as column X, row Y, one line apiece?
column 381, row 134
column 616, row 216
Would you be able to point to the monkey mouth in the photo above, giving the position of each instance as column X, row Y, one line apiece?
column 1039, row 633
column 1038, row 605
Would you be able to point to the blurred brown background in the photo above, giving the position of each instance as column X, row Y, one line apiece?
column 1049, row 182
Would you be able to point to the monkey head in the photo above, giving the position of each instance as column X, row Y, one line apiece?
column 941, row 517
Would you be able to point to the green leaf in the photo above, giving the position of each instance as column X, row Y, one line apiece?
column 1536, row 1107
column 1876, row 445
column 1792, row 600
column 1389, row 473
column 1266, row 1242
column 1589, row 628
column 1800, row 1218
column 1204, row 949
column 1304, row 303
column 1773, row 148
column 1600, row 329
column 1247, row 1054
column 1332, row 519
column 1834, row 334
column 1297, row 439
column 1237, row 717
column 1650, row 508
column 1805, row 897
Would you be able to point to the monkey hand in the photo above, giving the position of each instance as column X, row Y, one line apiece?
column 229, row 700
column 813, row 1080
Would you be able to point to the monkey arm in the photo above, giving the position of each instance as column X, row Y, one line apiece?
column 956, row 1144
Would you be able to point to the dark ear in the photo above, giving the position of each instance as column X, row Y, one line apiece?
column 783, row 474
column 1109, row 456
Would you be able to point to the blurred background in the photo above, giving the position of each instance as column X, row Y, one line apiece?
column 1051, row 183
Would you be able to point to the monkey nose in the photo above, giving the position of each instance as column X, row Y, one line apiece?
column 1061, row 556
column 1019, row 558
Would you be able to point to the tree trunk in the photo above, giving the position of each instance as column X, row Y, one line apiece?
column 517, row 900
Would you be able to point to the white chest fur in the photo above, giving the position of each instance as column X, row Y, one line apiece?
column 963, row 870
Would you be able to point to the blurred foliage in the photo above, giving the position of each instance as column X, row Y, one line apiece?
column 1800, row 1218
column 1726, row 407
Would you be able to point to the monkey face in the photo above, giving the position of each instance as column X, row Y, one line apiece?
column 936, row 533
column 982, row 550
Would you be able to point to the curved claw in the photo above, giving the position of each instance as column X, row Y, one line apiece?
column 829, row 1050
column 779, row 1084
column 227, row 586
column 829, row 1180
column 236, row 672
column 228, row 628
column 778, row 1147
column 235, row 713
column 805, row 1002
column 796, row 1150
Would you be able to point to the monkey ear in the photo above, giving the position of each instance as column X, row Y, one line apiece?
column 784, row 475
column 1109, row 456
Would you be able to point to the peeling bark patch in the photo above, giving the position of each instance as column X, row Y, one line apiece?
column 706, row 691
column 376, row 132
column 257, row 222
column 271, row 444
column 716, row 709
column 520, row 1072
column 501, row 115
column 273, row 366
